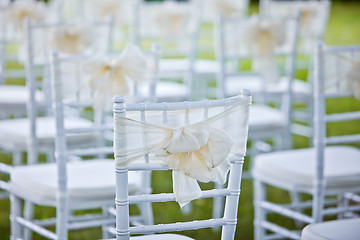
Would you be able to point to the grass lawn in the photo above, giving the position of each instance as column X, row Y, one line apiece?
column 343, row 29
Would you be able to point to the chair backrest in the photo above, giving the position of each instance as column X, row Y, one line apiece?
column 80, row 82
column 314, row 16
column 258, row 38
column 172, row 24
column 194, row 140
column 74, row 92
column 36, row 54
column 336, row 76
column 270, row 45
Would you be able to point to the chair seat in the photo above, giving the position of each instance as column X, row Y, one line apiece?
column 253, row 82
column 91, row 180
column 264, row 118
column 297, row 167
column 167, row 91
column 348, row 229
column 178, row 66
column 14, row 133
column 15, row 97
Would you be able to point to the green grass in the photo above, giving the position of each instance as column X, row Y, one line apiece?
column 343, row 29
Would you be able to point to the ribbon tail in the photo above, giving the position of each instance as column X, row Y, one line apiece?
column 185, row 188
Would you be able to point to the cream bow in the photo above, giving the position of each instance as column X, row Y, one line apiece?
column 263, row 37
column 227, row 7
column 104, row 8
column 72, row 39
column 172, row 18
column 194, row 152
column 21, row 9
column 308, row 15
column 354, row 79
column 111, row 76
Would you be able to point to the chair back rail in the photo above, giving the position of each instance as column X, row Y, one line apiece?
column 165, row 115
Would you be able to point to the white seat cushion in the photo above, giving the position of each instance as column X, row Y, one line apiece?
column 16, row 132
column 264, row 118
column 348, row 229
column 167, row 91
column 253, row 82
column 89, row 180
column 201, row 66
column 12, row 96
column 297, row 167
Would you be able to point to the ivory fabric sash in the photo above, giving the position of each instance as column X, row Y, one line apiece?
column 341, row 73
column 21, row 9
column 72, row 39
column 172, row 18
column 195, row 152
column 110, row 76
column 263, row 37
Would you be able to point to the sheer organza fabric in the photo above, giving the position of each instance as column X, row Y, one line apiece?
column 260, row 38
column 76, row 38
column 169, row 23
column 94, row 80
column 196, row 150
column 342, row 73
column 313, row 15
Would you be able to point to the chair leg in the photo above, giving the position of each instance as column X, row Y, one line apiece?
column 15, row 211
column 260, row 214
column 105, row 232
column 28, row 215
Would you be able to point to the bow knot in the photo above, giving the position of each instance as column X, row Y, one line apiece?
column 195, row 152
column 172, row 18
column 73, row 39
column 263, row 37
column 113, row 76
column 22, row 9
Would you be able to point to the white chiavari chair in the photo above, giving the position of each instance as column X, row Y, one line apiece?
column 314, row 15
column 270, row 45
column 199, row 141
column 330, row 171
column 35, row 135
column 73, row 183
column 207, row 38
column 313, row 19
column 12, row 95
column 174, row 25
column 20, row 135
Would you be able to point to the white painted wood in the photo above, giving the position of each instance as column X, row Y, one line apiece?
column 232, row 192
